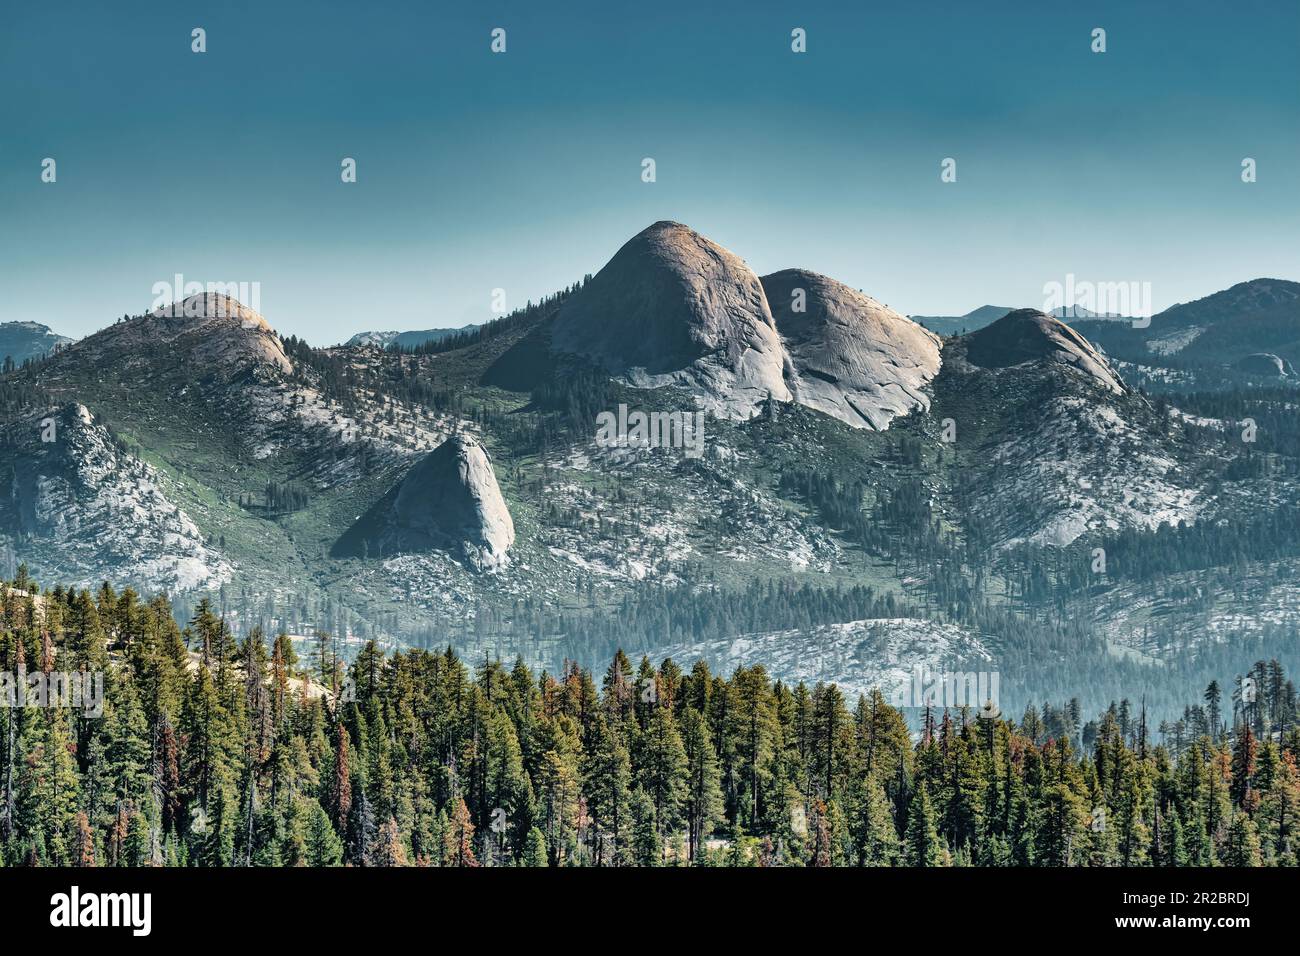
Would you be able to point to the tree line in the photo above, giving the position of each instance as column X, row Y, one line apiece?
column 212, row 751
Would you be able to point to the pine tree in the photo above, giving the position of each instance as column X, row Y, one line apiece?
column 1244, row 752
column 703, row 793
column 1242, row 847
column 362, row 831
column 1213, row 701
column 534, row 854
column 607, row 781
column 48, row 788
column 340, row 792
column 871, row 824
column 819, row 835
column 388, row 849
column 661, row 768
column 459, row 846
column 647, row 848
column 322, row 845
column 923, row 846
column 85, row 841
column 752, row 728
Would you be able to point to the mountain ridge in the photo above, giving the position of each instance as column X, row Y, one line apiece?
column 970, row 459
column 408, row 339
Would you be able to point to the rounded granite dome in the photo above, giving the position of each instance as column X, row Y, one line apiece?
column 850, row 356
column 674, row 308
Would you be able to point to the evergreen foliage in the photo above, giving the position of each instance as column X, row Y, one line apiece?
column 216, row 752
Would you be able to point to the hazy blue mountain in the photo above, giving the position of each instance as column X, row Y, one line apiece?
column 988, row 314
column 957, row 324
column 23, row 340
column 1208, row 343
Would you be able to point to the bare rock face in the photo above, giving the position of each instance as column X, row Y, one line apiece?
column 672, row 307
column 84, row 509
column 450, row 500
column 852, row 357
column 1028, row 335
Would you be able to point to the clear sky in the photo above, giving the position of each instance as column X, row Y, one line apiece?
column 522, row 170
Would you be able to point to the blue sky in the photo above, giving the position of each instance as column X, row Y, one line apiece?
column 522, row 170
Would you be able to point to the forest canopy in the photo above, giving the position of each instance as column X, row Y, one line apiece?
column 212, row 751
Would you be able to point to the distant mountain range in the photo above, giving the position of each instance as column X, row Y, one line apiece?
column 861, row 477
column 1250, row 332
column 23, row 340
column 986, row 314
column 406, row 340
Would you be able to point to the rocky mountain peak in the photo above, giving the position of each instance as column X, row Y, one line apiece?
column 675, row 308
column 214, row 330
column 204, row 307
column 448, row 501
column 452, row 496
column 74, row 491
column 1027, row 335
column 851, row 357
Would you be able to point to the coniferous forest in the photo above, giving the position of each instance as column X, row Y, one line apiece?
column 210, row 751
